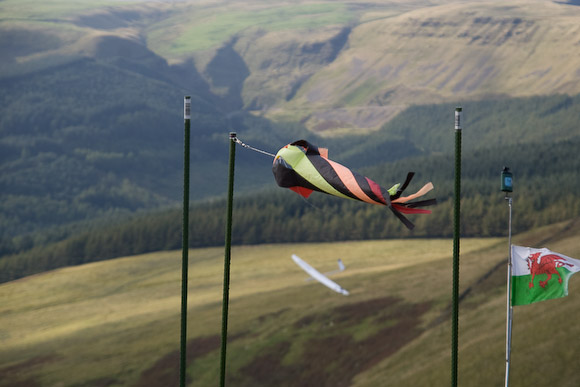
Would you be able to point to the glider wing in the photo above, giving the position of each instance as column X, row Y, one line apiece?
column 319, row 276
column 341, row 267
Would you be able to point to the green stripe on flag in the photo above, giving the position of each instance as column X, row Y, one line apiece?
column 522, row 294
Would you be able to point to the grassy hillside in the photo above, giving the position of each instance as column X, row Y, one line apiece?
column 117, row 322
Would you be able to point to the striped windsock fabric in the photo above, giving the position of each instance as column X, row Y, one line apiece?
column 305, row 168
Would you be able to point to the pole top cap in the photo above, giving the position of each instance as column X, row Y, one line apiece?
column 458, row 118
column 186, row 107
column 232, row 134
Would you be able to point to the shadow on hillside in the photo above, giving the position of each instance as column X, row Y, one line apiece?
column 330, row 354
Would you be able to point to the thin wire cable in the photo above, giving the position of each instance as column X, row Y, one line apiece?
column 237, row 140
column 310, row 204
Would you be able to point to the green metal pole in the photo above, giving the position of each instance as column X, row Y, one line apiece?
column 227, row 259
column 456, row 237
column 185, row 240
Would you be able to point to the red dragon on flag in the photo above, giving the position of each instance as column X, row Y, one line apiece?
column 545, row 264
column 529, row 265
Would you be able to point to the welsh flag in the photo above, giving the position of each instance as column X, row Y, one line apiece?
column 540, row 274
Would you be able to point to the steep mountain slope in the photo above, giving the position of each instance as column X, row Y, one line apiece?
column 452, row 52
column 336, row 66
column 91, row 121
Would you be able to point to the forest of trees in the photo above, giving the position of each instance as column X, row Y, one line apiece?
column 69, row 156
column 546, row 183
column 85, row 178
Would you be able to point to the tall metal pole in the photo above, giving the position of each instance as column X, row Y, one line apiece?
column 185, row 240
column 227, row 259
column 456, row 237
column 510, row 310
column 507, row 187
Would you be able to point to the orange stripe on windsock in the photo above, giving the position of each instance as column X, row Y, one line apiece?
column 348, row 179
column 426, row 188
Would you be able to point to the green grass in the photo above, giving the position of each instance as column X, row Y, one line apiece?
column 89, row 318
column 42, row 10
column 115, row 320
column 360, row 94
column 204, row 28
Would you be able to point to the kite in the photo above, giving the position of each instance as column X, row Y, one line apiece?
column 304, row 168
column 319, row 276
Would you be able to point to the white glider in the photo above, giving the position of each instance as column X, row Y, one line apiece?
column 319, row 276
column 341, row 267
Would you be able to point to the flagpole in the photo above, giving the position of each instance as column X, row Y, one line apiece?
column 185, row 240
column 507, row 187
column 509, row 298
